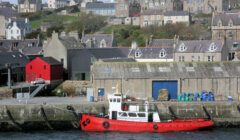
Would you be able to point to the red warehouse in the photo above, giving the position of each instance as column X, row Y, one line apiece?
column 46, row 68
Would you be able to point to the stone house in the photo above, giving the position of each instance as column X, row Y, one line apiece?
column 29, row 6
column 174, row 17
column 226, row 25
column 200, row 50
column 151, row 17
column 57, row 47
column 208, row 6
column 17, row 28
column 163, row 5
column 55, row 4
column 122, row 8
column 233, row 47
column 143, row 80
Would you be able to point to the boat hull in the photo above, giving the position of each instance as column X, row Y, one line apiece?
column 92, row 123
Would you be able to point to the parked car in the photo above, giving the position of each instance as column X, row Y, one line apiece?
column 38, row 81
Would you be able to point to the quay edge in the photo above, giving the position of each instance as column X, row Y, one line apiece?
column 66, row 115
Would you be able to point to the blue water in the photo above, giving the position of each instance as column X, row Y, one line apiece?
column 215, row 134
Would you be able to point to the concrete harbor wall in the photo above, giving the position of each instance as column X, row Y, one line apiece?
column 47, row 115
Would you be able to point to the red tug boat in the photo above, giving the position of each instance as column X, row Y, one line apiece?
column 138, row 118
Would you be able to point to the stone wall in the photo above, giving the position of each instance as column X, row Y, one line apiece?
column 73, row 88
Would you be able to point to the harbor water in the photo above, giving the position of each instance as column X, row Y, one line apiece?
column 213, row 134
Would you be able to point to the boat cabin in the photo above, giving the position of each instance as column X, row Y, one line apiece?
column 119, row 110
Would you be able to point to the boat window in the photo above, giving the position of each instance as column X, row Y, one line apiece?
column 110, row 99
column 118, row 100
column 122, row 114
column 132, row 114
column 114, row 99
column 141, row 115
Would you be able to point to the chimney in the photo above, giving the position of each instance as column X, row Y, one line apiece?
column 26, row 20
column 63, row 34
column 54, row 35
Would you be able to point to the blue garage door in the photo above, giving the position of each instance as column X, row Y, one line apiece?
column 171, row 86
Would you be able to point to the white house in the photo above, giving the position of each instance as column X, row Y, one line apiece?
column 55, row 4
column 174, row 17
column 17, row 28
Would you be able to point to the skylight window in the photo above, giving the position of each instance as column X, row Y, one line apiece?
column 138, row 53
column 182, row 47
column 212, row 47
column 162, row 53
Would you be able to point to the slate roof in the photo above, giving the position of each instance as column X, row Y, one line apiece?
column 152, row 12
column 51, row 60
column 96, row 40
column 176, row 13
column 8, row 12
column 100, row 5
column 199, row 46
column 225, row 18
column 163, row 43
column 136, row 70
column 17, row 59
column 27, row 46
column 20, row 23
column 151, row 53
column 70, row 42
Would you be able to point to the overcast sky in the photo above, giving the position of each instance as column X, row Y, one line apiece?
column 15, row 1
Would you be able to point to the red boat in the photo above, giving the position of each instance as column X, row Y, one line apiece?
column 136, row 118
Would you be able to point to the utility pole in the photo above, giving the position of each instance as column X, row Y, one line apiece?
column 8, row 65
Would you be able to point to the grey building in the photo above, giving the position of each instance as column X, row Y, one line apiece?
column 81, row 60
column 226, row 25
column 144, row 80
column 57, row 47
column 233, row 47
column 29, row 47
column 29, row 6
column 200, row 50
column 17, row 62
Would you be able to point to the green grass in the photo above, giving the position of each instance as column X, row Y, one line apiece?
column 53, row 18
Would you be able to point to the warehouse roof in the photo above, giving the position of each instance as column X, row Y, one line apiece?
column 135, row 70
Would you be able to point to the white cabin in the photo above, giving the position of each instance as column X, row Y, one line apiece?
column 131, row 112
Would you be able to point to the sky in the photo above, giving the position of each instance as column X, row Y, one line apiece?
column 15, row 1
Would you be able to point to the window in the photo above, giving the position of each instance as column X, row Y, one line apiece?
column 141, row 115
column 111, row 100
column 138, row 53
column 44, row 67
column 114, row 99
column 30, row 67
column 182, row 47
column 199, row 59
column 132, row 114
column 162, row 53
column 212, row 47
column 118, row 100
column 122, row 114
column 192, row 58
column 209, row 58
column 181, row 59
